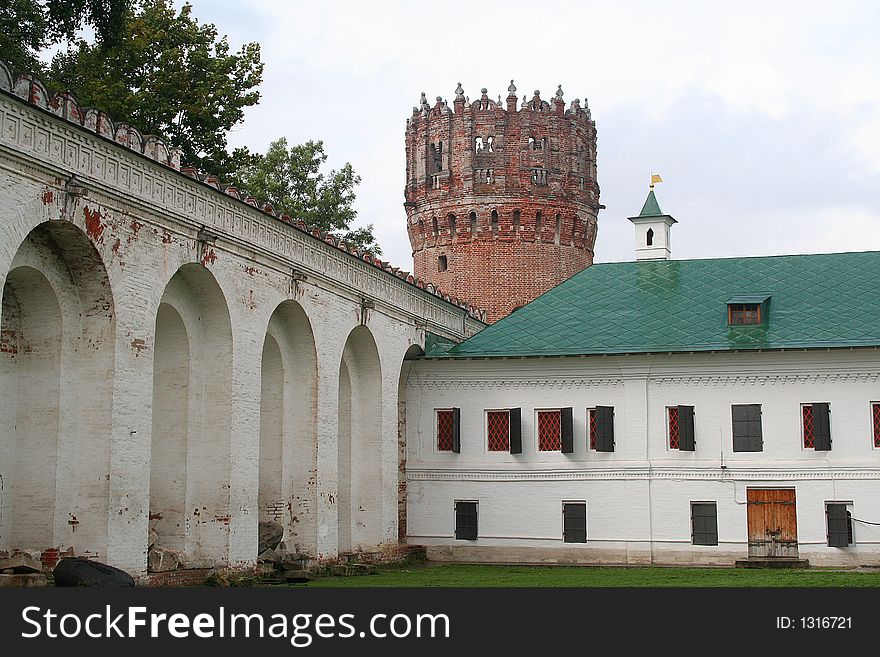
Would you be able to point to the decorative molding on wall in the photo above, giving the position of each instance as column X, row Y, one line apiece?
column 635, row 473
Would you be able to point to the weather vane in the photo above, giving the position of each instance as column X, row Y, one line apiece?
column 655, row 178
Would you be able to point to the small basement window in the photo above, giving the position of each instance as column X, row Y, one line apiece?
column 839, row 524
column 747, row 309
column 466, row 521
column 574, row 522
column 442, row 263
column 704, row 523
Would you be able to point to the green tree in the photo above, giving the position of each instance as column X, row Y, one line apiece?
column 29, row 26
column 168, row 75
column 290, row 178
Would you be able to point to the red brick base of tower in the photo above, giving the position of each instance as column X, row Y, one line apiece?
column 502, row 274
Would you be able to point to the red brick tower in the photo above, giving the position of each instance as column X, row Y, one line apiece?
column 501, row 203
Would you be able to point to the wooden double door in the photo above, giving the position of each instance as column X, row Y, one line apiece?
column 772, row 517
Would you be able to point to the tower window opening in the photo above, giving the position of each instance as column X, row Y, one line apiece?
column 516, row 220
column 649, row 237
column 558, row 228
column 451, row 219
column 539, row 176
column 494, row 221
column 489, row 141
column 435, row 227
column 473, row 218
column 538, row 225
column 442, row 263
column 478, row 144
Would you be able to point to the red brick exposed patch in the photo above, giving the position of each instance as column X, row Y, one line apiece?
column 94, row 225
column 166, row 237
column 48, row 197
column 224, row 519
column 135, row 226
column 209, row 258
column 8, row 341
column 116, row 245
column 138, row 344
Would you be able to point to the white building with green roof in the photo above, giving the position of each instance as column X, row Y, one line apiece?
column 659, row 411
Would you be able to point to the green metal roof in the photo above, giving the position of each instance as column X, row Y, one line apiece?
column 651, row 208
column 819, row 301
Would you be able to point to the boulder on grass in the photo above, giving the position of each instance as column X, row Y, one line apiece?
column 270, row 535
column 163, row 560
column 85, row 572
column 21, row 562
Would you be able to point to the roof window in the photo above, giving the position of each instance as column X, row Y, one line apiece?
column 745, row 309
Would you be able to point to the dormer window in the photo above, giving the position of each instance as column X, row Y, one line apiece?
column 747, row 309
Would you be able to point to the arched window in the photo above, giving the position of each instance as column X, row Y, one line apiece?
column 516, row 219
column 649, row 237
column 451, row 219
column 494, row 221
column 473, row 218
column 435, row 227
column 558, row 228
column 538, row 225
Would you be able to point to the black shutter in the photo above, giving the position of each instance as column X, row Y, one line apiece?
column 747, row 435
column 704, row 523
column 821, row 427
column 574, row 523
column 756, row 433
column 456, row 430
column 515, row 431
column 686, row 441
column 838, row 525
column 466, row 521
column 566, row 423
column 604, row 428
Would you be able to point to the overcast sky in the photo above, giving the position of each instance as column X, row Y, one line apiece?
column 764, row 121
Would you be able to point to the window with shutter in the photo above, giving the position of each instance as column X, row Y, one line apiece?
column 839, row 519
column 549, row 431
column 466, row 521
column 875, row 419
column 704, row 523
column 445, row 430
column 747, row 434
column 674, row 435
column 456, row 430
column 498, row 430
column 680, row 424
column 686, row 429
column 816, row 426
column 591, row 421
column 574, row 522
column 604, row 429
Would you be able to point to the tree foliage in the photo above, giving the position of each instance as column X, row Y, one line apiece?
column 290, row 178
column 29, row 26
column 170, row 75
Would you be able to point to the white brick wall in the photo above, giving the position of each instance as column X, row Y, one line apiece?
column 638, row 497
column 109, row 259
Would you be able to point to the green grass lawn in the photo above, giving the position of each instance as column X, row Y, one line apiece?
column 479, row 576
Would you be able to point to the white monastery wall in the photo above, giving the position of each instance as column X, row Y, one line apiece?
column 137, row 310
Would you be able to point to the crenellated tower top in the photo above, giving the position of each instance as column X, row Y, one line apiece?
column 501, row 201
